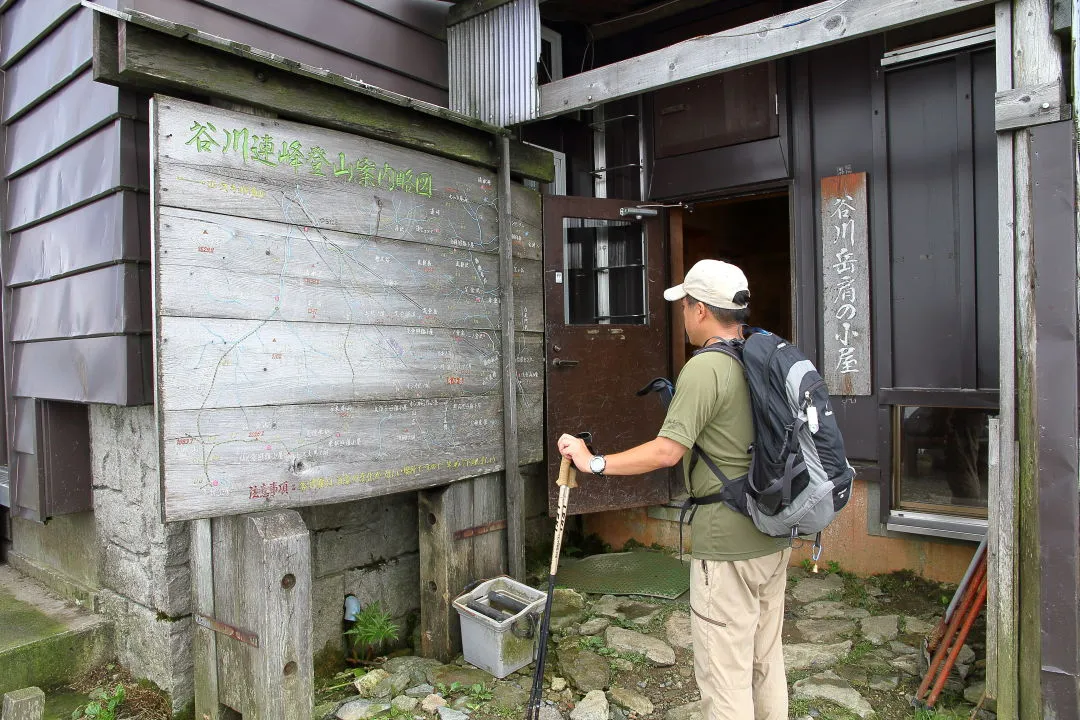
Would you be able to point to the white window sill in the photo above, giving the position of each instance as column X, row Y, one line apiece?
column 944, row 526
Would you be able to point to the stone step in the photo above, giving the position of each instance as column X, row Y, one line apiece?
column 45, row 641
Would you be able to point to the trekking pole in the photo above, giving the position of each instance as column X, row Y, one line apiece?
column 567, row 479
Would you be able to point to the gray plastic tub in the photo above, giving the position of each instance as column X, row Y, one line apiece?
column 500, row 647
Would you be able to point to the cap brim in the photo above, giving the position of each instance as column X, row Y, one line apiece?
column 675, row 293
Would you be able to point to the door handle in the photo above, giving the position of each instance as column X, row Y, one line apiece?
column 557, row 362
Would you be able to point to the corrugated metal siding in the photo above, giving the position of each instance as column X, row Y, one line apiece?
column 348, row 38
column 493, row 60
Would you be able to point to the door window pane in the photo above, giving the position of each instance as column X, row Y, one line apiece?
column 942, row 459
column 605, row 272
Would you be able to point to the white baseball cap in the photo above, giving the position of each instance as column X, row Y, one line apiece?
column 713, row 282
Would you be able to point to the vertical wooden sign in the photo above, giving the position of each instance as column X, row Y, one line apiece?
column 845, row 268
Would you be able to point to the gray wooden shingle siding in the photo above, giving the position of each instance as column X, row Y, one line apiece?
column 74, row 170
column 76, row 221
column 395, row 45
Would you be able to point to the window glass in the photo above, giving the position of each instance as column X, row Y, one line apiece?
column 605, row 272
column 942, row 459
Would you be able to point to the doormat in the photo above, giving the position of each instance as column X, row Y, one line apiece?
column 639, row 572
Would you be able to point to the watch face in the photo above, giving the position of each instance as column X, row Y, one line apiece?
column 597, row 464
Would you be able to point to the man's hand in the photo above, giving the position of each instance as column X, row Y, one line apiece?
column 575, row 449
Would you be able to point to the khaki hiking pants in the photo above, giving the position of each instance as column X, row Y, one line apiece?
column 736, row 617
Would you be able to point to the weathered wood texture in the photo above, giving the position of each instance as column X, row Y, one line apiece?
column 448, row 565
column 1036, row 61
column 1001, row 606
column 24, row 704
column 168, row 57
column 515, row 485
column 845, row 284
column 817, row 25
column 204, row 644
column 262, row 585
column 329, row 315
column 1028, row 106
column 252, row 268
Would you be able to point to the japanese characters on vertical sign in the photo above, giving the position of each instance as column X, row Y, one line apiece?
column 845, row 284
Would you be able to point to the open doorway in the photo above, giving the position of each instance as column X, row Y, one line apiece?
column 753, row 232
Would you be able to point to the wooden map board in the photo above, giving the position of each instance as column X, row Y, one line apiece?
column 327, row 313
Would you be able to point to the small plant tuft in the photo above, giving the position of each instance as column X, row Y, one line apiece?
column 102, row 706
column 373, row 630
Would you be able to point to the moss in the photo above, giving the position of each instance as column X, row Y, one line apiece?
column 23, row 623
column 329, row 660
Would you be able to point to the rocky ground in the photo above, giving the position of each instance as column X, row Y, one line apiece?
column 852, row 647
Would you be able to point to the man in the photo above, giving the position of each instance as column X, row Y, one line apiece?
column 738, row 574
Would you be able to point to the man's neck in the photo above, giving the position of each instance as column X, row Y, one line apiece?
column 723, row 332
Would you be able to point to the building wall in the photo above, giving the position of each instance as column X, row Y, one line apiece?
column 397, row 45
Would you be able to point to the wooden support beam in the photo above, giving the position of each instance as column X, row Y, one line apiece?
column 204, row 646
column 1001, row 531
column 262, row 621
column 1026, row 107
column 193, row 64
column 824, row 23
column 515, row 485
column 1036, row 57
column 448, row 565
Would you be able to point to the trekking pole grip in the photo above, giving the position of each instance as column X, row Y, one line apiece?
column 567, row 474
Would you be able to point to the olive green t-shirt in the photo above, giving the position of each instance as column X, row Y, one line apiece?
column 711, row 407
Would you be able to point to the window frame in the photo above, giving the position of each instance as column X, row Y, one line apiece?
column 892, row 519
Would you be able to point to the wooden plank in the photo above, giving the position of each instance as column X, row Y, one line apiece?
column 529, row 357
column 227, row 538
column 254, row 269
column 235, row 163
column 1036, row 61
column 201, row 65
column 1001, row 497
column 1028, row 106
column 275, row 579
column 845, row 285
column 515, row 484
column 25, row 704
column 446, row 565
column 248, row 459
column 204, row 643
column 818, row 25
column 208, row 364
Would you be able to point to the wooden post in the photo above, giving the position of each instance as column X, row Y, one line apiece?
column 1001, row 544
column 275, row 577
column 1036, row 60
column 204, row 647
column 515, row 485
column 25, row 704
column 261, row 574
column 461, row 541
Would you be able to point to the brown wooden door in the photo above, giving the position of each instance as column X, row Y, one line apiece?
column 607, row 336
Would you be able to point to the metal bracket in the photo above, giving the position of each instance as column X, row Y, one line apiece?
column 217, row 626
column 480, row 530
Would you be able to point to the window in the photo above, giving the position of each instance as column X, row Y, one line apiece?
column 940, row 390
column 940, row 464
column 605, row 272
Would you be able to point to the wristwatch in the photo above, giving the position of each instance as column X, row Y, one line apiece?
column 597, row 465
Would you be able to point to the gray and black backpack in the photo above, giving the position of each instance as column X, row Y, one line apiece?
column 799, row 476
